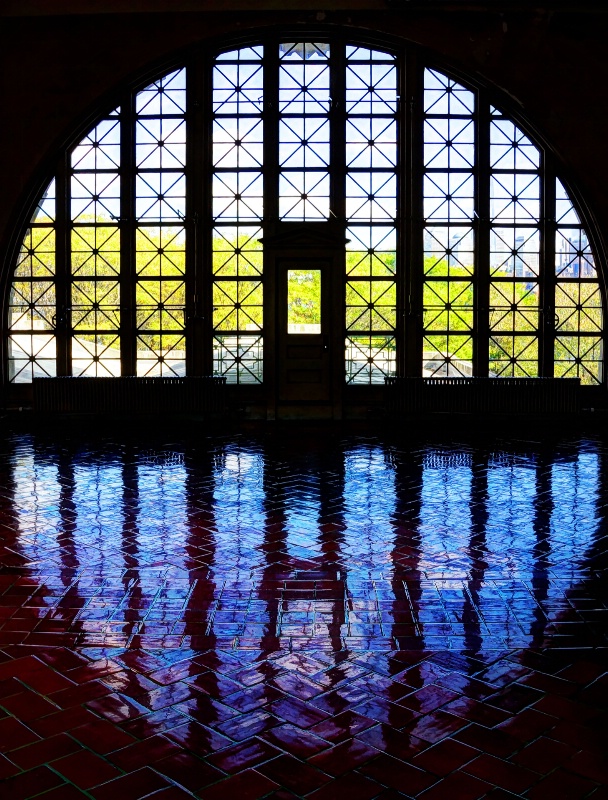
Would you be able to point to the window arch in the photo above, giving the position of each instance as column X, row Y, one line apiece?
column 464, row 254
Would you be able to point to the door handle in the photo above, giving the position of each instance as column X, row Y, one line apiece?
column 326, row 342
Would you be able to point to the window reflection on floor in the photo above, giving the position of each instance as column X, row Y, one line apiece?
column 314, row 543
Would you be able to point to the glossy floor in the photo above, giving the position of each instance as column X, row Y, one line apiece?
column 302, row 614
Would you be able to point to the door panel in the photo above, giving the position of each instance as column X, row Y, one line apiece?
column 303, row 336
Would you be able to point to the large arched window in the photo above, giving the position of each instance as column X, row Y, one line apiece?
column 462, row 252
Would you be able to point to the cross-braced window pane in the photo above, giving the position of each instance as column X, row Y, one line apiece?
column 304, row 104
column 95, row 251
column 449, row 280
column 579, row 315
column 515, row 289
column 101, row 284
column 238, row 199
column 32, row 302
column 370, row 359
column 160, row 239
column 371, row 211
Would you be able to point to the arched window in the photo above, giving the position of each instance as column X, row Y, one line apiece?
column 153, row 251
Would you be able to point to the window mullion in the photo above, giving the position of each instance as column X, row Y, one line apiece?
column 410, row 215
column 127, row 226
column 62, row 268
column 199, row 225
column 270, row 168
column 482, row 228
column 546, row 273
column 337, row 155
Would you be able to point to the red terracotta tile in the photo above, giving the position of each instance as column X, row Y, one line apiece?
column 592, row 765
column 352, row 786
column 214, row 684
column 514, row 778
column 7, row 768
column 293, row 774
column 582, row 672
column 514, row 698
column 101, row 736
column 65, row 792
column 62, row 721
column 435, row 726
column 94, row 671
column 502, row 673
column 381, row 686
column 245, row 725
column 189, row 771
column 561, row 785
column 579, row 736
column 187, row 668
column 342, row 726
column 254, row 697
column 340, row 699
column 344, row 757
column 171, row 793
column 248, row 785
column 421, row 675
column 474, row 711
column 157, row 722
column 134, row 786
column 117, row 707
column 386, row 711
column 543, row 755
column 14, row 734
column 293, row 710
column 552, row 684
column 566, row 709
column 140, row 661
column 297, row 685
column 400, row 744
column 206, row 710
column 428, row 698
column 10, row 687
column 493, row 741
column 44, row 752
column 243, row 755
column 130, row 683
column 31, row 783
column 143, row 754
column 527, row 725
column 470, row 687
column 457, row 785
column 297, row 741
column 197, row 738
column 445, row 757
column 45, row 680
column 396, row 774
column 77, row 695
column 28, row 706
column 85, row 769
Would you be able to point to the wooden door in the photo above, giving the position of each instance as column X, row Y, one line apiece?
column 304, row 335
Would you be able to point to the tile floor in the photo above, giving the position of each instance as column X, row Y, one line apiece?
column 302, row 615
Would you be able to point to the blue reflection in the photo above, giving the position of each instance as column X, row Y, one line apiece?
column 320, row 545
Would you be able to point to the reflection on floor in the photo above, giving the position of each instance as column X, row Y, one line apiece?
column 302, row 615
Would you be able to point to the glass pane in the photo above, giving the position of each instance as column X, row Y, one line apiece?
column 304, row 301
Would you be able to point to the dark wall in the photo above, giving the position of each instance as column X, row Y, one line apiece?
column 55, row 70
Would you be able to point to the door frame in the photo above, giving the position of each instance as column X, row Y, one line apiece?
column 322, row 241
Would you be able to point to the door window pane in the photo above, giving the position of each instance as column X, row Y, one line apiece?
column 304, row 301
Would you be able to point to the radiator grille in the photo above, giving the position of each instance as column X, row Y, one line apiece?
column 203, row 395
column 483, row 395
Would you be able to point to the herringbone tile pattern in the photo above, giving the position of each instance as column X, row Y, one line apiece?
column 302, row 616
